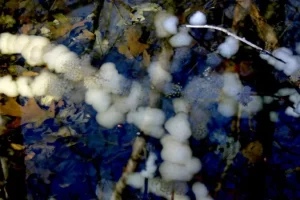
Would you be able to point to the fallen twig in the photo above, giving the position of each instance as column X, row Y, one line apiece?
column 137, row 149
column 236, row 37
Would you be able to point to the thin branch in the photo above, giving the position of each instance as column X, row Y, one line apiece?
column 236, row 37
column 137, row 149
column 228, row 33
column 4, row 167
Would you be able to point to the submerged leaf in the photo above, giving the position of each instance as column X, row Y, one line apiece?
column 86, row 35
column 241, row 10
column 29, row 73
column 253, row 151
column 265, row 31
column 29, row 113
column 26, row 28
column 7, row 20
column 11, row 108
column 32, row 112
column 17, row 147
column 133, row 47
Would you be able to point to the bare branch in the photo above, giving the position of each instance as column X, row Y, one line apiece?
column 236, row 37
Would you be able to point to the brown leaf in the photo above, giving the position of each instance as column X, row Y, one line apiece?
column 229, row 66
column 60, row 103
column 29, row 113
column 65, row 27
column 123, row 49
column 14, row 123
column 146, row 58
column 26, row 28
column 17, row 147
column 29, row 156
column 61, row 30
column 133, row 34
column 245, row 68
column 32, row 113
column 241, row 10
column 78, row 24
column 253, row 151
column 86, row 35
column 265, row 31
column 11, row 108
column 29, row 73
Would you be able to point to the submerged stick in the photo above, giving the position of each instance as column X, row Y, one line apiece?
column 137, row 149
column 236, row 37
